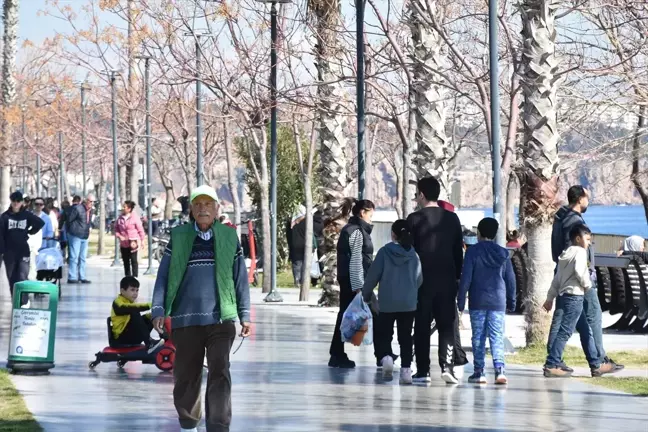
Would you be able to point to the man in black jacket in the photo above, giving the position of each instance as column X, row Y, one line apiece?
column 16, row 225
column 77, row 226
column 591, row 321
column 438, row 240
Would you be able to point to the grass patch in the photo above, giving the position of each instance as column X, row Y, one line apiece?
column 13, row 411
column 573, row 356
column 285, row 280
column 635, row 385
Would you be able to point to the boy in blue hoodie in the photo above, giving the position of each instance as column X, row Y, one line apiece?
column 489, row 280
column 397, row 269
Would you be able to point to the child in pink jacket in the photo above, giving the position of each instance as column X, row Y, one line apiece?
column 130, row 233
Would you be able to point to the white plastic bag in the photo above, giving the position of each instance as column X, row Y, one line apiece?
column 315, row 267
column 49, row 259
column 357, row 316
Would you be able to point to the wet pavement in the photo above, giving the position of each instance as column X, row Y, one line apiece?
column 281, row 383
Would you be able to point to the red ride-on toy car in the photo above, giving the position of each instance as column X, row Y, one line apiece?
column 163, row 357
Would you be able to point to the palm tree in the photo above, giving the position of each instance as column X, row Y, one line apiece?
column 433, row 155
column 540, row 82
column 332, row 102
column 10, row 48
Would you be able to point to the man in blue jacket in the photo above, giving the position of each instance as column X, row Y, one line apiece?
column 591, row 321
column 77, row 226
column 488, row 276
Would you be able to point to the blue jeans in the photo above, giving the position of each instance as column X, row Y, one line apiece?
column 487, row 323
column 589, row 327
column 78, row 252
column 569, row 308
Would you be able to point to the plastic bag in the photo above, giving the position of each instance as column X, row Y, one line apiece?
column 356, row 320
column 49, row 259
column 315, row 267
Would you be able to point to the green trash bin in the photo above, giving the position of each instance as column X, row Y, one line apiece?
column 33, row 326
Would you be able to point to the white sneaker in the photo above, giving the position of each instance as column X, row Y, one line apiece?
column 406, row 376
column 387, row 366
column 447, row 375
column 189, row 430
column 459, row 372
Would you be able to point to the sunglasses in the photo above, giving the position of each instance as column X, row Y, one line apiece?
column 39, row 204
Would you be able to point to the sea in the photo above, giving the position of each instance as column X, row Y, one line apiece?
column 624, row 220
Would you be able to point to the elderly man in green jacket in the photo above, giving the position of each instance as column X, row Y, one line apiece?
column 202, row 285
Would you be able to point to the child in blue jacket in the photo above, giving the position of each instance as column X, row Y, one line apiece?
column 489, row 280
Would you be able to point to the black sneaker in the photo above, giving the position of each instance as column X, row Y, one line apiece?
column 341, row 362
column 565, row 368
column 85, row 282
column 419, row 377
column 72, row 282
column 447, row 374
column 154, row 344
column 617, row 367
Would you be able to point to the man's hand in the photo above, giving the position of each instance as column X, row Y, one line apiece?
column 548, row 305
column 158, row 324
column 246, row 329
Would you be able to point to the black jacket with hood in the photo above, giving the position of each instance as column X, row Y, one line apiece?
column 564, row 221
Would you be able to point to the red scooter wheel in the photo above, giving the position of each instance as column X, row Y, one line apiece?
column 165, row 358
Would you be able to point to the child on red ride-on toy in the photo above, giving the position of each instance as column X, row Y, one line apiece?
column 129, row 332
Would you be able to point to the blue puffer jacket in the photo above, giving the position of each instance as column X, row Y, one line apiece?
column 488, row 278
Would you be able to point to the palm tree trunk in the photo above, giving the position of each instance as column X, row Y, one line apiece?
column 433, row 154
column 332, row 101
column 540, row 155
column 10, row 48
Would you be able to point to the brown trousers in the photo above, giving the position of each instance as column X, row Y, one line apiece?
column 191, row 343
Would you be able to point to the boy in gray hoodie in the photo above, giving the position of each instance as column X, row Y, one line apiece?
column 397, row 270
column 571, row 282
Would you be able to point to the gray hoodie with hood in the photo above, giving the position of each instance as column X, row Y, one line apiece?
column 398, row 271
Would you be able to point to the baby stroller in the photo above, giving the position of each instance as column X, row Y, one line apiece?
column 49, row 266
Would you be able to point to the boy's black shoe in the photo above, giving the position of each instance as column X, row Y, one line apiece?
column 420, row 377
column 617, row 367
column 341, row 362
column 85, row 282
column 555, row 372
column 448, row 375
column 154, row 344
column 565, row 368
column 72, row 282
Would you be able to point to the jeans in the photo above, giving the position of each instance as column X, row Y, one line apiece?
column 78, row 252
column 589, row 327
column 487, row 323
column 17, row 269
column 568, row 311
column 298, row 272
column 405, row 323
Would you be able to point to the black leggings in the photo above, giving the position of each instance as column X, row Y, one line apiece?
column 404, row 324
column 17, row 269
column 137, row 331
column 130, row 262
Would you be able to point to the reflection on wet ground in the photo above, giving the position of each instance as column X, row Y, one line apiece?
column 282, row 383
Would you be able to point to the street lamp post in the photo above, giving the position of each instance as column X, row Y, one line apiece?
column 84, row 159
column 38, row 172
column 273, row 296
column 61, row 168
column 360, row 96
column 113, row 129
column 149, row 167
column 496, row 157
column 24, row 169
